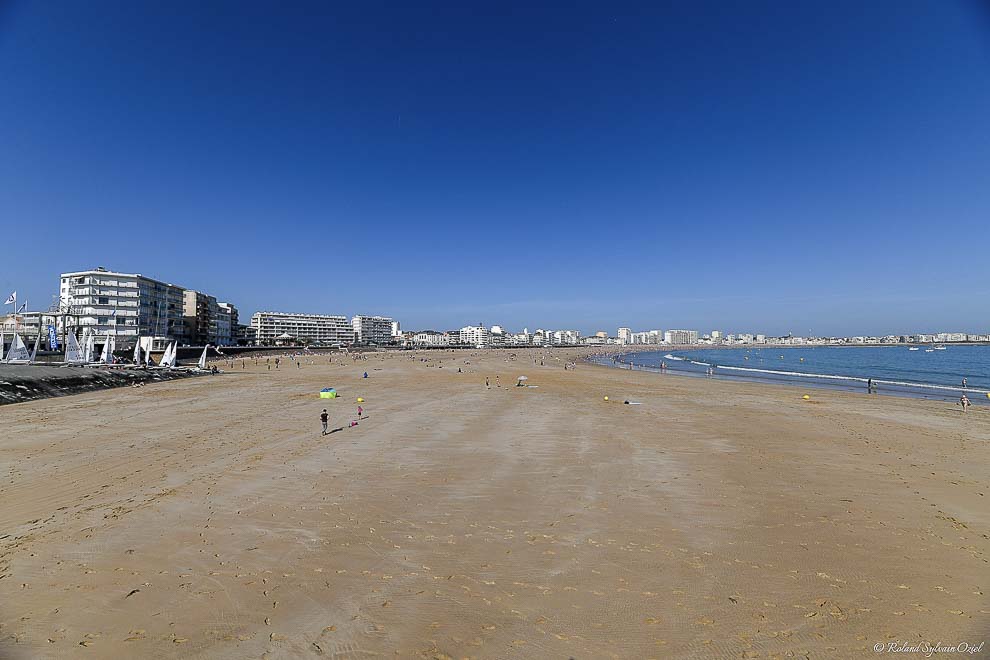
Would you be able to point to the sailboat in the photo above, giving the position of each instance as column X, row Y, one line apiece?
column 106, row 357
column 137, row 352
column 202, row 358
column 914, row 348
column 18, row 351
column 34, row 351
column 73, row 354
column 89, row 345
column 168, row 360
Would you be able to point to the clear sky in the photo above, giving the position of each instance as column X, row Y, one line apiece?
column 757, row 166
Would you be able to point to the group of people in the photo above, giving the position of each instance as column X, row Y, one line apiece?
column 325, row 419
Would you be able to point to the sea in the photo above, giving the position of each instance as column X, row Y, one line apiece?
column 929, row 372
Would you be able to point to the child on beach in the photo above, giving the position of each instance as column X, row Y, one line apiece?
column 324, row 419
column 360, row 412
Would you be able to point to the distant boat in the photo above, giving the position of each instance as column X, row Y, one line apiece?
column 914, row 348
column 168, row 360
column 18, row 351
column 73, row 353
column 940, row 348
column 202, row 358
column 929, row 350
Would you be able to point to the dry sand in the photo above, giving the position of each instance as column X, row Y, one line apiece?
column 207, row 518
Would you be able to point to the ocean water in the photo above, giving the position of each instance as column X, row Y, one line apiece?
column 894, row 369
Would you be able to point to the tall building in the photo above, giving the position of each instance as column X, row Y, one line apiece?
column 227, row 322
column 680, row 337
column 475, row 335
column 372, row 329
column 625, row 335
column 315, row 328
column 126, row 304
column 200, row 312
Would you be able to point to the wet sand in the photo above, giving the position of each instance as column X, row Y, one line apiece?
column 208, row 518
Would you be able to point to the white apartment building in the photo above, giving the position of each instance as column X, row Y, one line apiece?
column 372, row 329
column 680, row 337
column 475, row 335
column 431, row 338
column 125, row 304
column 316, row 328
column 625, row 335
column 227, row 322
column 565, row 337
column 519, row 339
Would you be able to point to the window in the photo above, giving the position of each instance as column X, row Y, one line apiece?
column 103, row 301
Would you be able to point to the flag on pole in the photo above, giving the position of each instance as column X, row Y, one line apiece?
column 11, row 299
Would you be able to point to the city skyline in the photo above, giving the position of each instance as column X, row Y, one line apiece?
column 931, row 328
column 640, row 164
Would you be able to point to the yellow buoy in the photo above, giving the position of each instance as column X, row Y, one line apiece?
column 806, row 397
column 360, row 400
column 606, row 398
column 988, row 395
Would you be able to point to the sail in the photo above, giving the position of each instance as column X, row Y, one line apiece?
column 105, row 355
column 202, row 358
column 88, row 345
column 137, row 351
column 147, row 354
column 73, row 354
column 34, row 351
column 112, row 340
column 3, row 342
column 18, row 351
column 168, row 360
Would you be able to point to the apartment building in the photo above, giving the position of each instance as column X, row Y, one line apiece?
column 373, row 329
column 680, row 337
column 200, row 315
column 313, row 328
column 126, row 304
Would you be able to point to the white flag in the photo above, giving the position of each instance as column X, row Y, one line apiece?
column 11, row 299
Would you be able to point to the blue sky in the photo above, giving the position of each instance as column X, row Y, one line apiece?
column 759, row 166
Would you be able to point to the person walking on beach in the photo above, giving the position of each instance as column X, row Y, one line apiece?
column 488, row 384
column 869, row 386
column 324, row 419
column 360, row 412
column 964, row 402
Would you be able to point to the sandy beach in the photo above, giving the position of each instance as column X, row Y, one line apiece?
column 208, row 517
